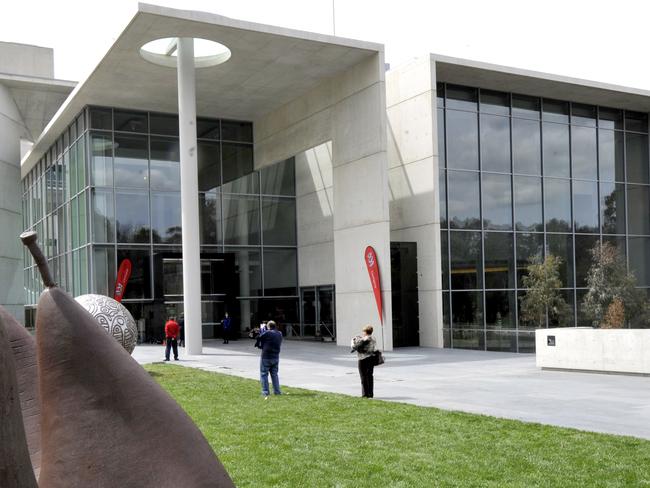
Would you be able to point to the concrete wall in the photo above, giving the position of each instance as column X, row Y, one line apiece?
column 587, row 349
column 21, row 59
column 350, row 111
column 11, row 254
column 315, row 216
column 413, row 183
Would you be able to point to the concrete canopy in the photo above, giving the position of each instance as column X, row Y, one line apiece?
column 269, row 67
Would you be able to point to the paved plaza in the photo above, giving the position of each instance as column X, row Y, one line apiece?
column 500, row 384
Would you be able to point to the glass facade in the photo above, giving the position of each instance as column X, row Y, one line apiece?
column 521, row 176
column 109, row 189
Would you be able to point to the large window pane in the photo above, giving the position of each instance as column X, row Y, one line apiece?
column 462, row 140
column 280, row 272
column 561, row 245
column 526, row 153
column 640, row 259
column 248, row 266
column 279, row 178
column 493, row 102
column 638, row 209
column 583, row 114
column 444, row 259
column 461, row 97
column 585, row 206
column 466, row 260
column 279, row 221
column 209, row 157
column 164, row 124
column 166, row 218
column 557, row 204
column 241, row 220
column 610, row 118
column 210, row 218
column 130, row 121
column 528, row 246
column 104, row 270
column 237, row 162
column 584, row 245
column 233, row 130
column 556, row 149
column 101, row 118
column 132, row 216
column 442, row 195
column 555, row 111
column 442, row 161
column 495, row 143
column 636, row 155
column 610, row 154
column 500, row 310
column 81, row 164
column 499, row 260
column 139, row 285
column 525, row 106
column 612, row 208
column 468, row 339
column 466, row 310
column 131, row 162
column 497, row 202
column 636, row 121
column 528, row 203
column 103, row 223
column 583, row 152
column 165, row 164
column 101, row 164
column 463, row 195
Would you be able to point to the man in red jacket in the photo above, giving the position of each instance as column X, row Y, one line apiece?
column 172, row 330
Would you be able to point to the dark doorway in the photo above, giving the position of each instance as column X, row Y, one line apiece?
column 404, row 282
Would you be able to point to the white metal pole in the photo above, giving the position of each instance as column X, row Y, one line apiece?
column 189, row 196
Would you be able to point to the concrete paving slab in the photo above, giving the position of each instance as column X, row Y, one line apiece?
column 500, row 384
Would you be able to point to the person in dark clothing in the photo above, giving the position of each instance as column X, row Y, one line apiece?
column 225, row 326
column 270, row 342
column 365, row 346
column 172, row 331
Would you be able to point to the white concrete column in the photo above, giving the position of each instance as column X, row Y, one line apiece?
column 189, row 196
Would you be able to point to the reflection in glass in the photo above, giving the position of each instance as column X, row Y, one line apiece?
column 500, row 309
column 237, row 162
column 279, row 178
column 462, row 140
column 440, row 94
column 525, row 106
column 248, row 266
column 140, row 280
column 131, row 161
column 466, row 260
column 528, row 203
column 101, row 160
column 557, row 204
column 132, row 216
column 241, row 220
column 130, row 121
column 526, row 151
column 279, row 221
column 528, row 247
column 164, row 124
column 468, row 339
column 610, row 155
column 612, row 208
column 103, row 226
column 233, row 130
column 461, row 97
column 495, row 143
column 585, row 206
column 583, row 114
column 442, row 194
column 280, row 272
column 556, row 149
column 466, row 310
column 165, row 164
column 104, row 270
column 499, row 260
column 210, row 218
column 636, row 121
column 208, row 129
column 166, row 217
column 638, row 209
column 584, row 245
column 610, row 118
column 209, row 155
column 583, row 152
column 555, row 111
column 564, row 320
column 640, row 259
column 561, row 245
column 442, row 161
column 501, row 340
column 493, row 102
column 444, row 259
column 464, row 210
column 101, row 118
column 497, row 202
column 619, row 243
column 636, row 155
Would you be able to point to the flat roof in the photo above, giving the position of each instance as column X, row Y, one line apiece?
column 504, row 78
column 269, row 67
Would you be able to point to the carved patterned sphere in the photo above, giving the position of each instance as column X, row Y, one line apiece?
column 113, row 317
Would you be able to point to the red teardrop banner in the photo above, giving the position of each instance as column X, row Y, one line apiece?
column 370, row 257
column 123, row 275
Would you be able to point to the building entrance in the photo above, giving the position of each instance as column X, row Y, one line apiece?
column 318, row 317
column 404, row 282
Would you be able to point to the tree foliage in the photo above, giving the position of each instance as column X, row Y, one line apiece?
column 612, row 297
column 543, row 295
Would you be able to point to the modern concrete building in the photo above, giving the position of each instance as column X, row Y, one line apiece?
column 250, row 179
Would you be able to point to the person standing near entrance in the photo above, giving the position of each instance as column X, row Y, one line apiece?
column 225, row 326
column 365, row 347
column 172, row 331
column 270, row 342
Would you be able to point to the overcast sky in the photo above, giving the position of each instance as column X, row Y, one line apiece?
column 598, row 40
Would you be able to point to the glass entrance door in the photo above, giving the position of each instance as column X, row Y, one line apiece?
column 318, row 316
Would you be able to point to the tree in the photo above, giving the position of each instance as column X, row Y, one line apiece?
column 543, row 295
column 613, row 297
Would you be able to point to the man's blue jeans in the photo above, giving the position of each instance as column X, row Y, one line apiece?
column 269, row 366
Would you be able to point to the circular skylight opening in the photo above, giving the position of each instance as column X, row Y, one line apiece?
column 165, row 51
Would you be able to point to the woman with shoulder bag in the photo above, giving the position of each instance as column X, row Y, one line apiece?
column 365, row 346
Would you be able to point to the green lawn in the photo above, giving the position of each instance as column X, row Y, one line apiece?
column 314, row 439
